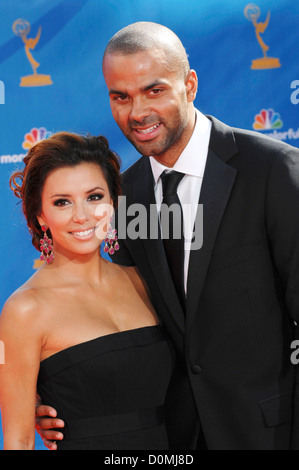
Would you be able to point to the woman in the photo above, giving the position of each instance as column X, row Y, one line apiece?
column 81, row 330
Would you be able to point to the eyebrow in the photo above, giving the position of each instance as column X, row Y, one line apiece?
column 112, row 91
column 154, row 85
column 116, row 92
column 87, row 192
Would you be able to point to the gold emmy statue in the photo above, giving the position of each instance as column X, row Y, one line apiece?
column 22, row 28
column 252, row 13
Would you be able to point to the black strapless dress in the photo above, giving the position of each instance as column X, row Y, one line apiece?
column 110, row 391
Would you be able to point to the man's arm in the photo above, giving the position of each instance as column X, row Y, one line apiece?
column 283, row 232
column 283, row 225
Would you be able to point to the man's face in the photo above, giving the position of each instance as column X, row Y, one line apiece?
column 151, row 103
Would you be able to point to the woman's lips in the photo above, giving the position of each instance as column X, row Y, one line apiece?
column 83, row 234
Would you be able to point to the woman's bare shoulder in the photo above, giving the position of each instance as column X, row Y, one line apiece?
column 27, row 299
column 22, row 305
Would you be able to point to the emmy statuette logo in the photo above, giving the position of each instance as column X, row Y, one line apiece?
column 252, row 13
column 22, row 28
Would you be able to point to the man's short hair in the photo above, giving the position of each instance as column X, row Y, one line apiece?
column 142, row 36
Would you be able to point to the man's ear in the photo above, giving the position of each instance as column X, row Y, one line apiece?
column 191, row 85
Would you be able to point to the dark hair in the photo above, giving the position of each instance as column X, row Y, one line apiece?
column 60, row 150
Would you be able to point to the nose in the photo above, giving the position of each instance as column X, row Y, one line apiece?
column 80, row 214
column 140, row 109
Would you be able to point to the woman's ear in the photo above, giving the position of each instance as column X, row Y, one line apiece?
column 41, row 220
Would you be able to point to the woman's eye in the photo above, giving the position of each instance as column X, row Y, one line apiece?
column 61, row 202
column 96, row 197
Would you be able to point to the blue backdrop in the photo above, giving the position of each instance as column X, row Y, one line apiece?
column 240, row 81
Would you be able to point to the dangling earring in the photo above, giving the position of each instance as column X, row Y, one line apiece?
column 111, row 243
column 46, row 247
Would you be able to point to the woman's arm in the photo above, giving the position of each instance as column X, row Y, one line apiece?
column 21, row 335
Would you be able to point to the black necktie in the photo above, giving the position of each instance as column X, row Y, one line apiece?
column 172, row 230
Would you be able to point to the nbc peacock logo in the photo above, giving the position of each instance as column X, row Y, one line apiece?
column 30, row 138
column 34, row 136
column 267, row 119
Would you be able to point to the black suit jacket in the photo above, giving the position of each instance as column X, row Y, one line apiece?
column 233, row 373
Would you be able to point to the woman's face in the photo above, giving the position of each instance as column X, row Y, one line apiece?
column 76, row 207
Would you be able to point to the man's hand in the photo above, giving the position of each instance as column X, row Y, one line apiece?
column 45, row 424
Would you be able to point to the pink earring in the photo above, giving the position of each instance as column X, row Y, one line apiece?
column 46, row 247
column 111, row 243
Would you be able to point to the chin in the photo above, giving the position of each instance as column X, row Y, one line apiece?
column 74, row 252
column 148, row 150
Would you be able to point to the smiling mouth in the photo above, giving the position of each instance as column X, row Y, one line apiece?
column 148, row 130
column 84, row 234
column 148, row 133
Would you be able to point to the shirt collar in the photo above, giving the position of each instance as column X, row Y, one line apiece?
column 193, row 158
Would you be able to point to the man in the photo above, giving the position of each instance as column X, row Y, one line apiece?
column 233, row 386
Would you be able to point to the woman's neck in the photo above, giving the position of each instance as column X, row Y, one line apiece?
column 76, row 268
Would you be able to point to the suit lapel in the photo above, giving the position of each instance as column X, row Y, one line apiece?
column 215, row 192
column 153, row 246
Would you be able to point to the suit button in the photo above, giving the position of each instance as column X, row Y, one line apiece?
column 196, row 369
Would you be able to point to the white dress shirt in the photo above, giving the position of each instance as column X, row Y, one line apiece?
column 191, row 162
